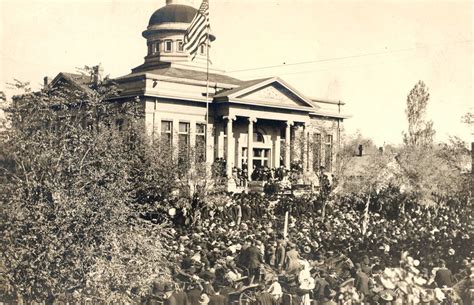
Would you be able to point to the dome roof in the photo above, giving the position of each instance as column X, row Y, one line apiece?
column 173, row 13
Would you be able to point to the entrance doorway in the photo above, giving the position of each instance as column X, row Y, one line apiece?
column 261, row 157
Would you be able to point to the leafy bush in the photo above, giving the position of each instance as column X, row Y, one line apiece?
column 69, row 218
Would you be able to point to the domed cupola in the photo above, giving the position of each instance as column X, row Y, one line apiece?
column 174, row 13
column 165, row 34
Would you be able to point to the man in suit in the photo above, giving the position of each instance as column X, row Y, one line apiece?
column 254, row 261
column 280, row 254
column 194, row 294
column 172, row 297
column 217, row 298
column 362, row 281
column 321, row 286
column 443, row 276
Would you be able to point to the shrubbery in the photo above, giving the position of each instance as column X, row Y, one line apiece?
column 75, row 186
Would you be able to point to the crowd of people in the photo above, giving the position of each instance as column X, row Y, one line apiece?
column 243, row 249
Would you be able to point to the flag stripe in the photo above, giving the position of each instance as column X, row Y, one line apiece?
column 201, row 41
column 196, row 34
column 198, row 40
column 197, row 22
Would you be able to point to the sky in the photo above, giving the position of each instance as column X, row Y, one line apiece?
column 368, row 54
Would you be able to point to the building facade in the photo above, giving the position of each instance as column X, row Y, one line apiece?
column 248, row 123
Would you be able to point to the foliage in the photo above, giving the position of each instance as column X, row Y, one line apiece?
column 454, row 178
column 218, row 169
column 349, row 150
column 68, row 215
column 420, row 130
column 468, row 119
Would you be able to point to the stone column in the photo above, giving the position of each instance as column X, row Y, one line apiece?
column 220, row 140
column 230, row 147
column 250, row 146
column 304, row 157
column 277, row 150
column 288, row 144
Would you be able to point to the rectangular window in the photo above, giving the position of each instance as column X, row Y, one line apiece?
column 183, row 145
column 167, row 133
column 180, row 46
column 156, row 47
column 261, row 157
column 316, row 148
column 202, row 49
column 150, row 48
column 328, row 154
column 168, row 46
column 200, row 143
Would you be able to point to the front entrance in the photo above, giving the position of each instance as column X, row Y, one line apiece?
column 261, row 157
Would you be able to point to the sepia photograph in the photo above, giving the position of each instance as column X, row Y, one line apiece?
column 241, row 152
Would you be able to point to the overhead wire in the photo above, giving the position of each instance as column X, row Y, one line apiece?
column 347, row 57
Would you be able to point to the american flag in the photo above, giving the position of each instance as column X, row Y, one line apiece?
column 197, row 33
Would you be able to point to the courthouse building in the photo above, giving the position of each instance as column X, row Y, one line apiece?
column 260, row 122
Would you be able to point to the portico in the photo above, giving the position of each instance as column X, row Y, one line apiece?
column 257, row 129
column 249, row 142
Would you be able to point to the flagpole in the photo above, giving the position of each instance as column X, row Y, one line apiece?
column 207, row 84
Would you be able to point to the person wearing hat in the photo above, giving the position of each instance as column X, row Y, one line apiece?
column 172, row 297
column 365, row 265
column 328, row 298
column 253, row 262
column 203, row 299
column 320, row 286
column 292, row 259
column 443, row 276
column 275, row 289
column 361, row 281
column 280, row 254
column 194, row 294
column 386, row 296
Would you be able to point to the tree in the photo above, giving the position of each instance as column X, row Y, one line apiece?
column 420, row 130
column 349, row 150
column 69, row 216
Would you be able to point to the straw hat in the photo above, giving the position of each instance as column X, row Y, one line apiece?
column 204, row 299
column 440, row 296
column 427, row 298
column 386, row 295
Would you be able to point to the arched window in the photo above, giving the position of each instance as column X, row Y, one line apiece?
column 258, row 137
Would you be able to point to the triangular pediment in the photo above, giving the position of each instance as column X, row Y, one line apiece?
column 270, row 92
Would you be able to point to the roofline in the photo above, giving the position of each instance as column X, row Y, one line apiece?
column 329, row 102
column 172, row 97
column 178, row 80
column 270, row 80
column 331, row 115
column 260, row 104
column 67, row 76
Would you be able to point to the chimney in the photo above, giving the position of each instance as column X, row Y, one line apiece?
column 361, row 149
column 45, row 82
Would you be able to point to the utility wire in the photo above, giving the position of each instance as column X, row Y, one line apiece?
column 345, row 57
